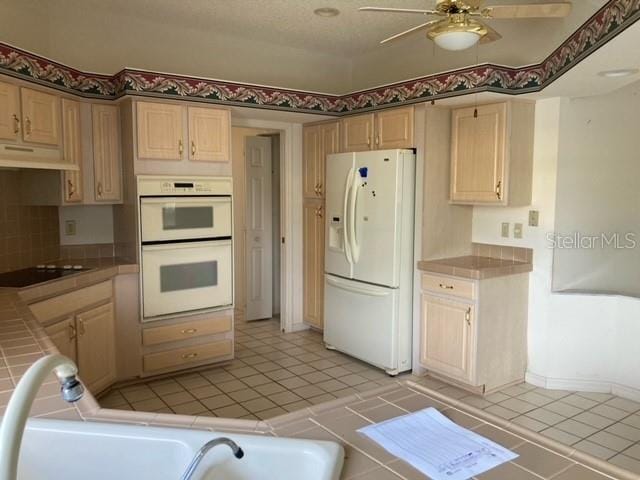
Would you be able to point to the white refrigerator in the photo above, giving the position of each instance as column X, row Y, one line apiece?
column 369, row 256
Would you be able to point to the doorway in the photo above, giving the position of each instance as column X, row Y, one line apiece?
column 256, row 174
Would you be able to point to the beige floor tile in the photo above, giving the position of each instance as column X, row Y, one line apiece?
column 353, row 379
column 553, row 394
column 376, row 474
column 301, row 369
column 579, row 402
column 316, row 377
column 609, row 412
column 138, row 395
column 149, row 405
column 356, row 463
column 595, row 449
column 336, row 371
column 545, row 416
column 218, row 401
column 625, row 431
column 563, row 409
column 270, row 413
column 268, row 389
column 231, row 411
column 626, row 462
column 502, row 412
column 498, row 435
column 177, row 398
column 530, row 423
column 560, row 435
column 331, row 385
column 595, row 396
column 593, row 419
column 535, row 398
column 509, row 471
column 633, row 451
column 293, row 382
column 624, row 404
column 515, row 390
column 231, row 386
column 254, row 359
column 518, row 405
column 205, row 392
column 576, row 428
column 267, row 367
column 453, row 392
column 288, row 362
column 169, row 387
column 308, row 391
column 633, row 420
column 496, row 397
column 113, row 400
column 295, row 406
column 609, row 440
column 189, row 408
column 192, row 381
column 255, row 380
column 539, row 460
column 284, row 398
column 242, row 372
column 278, row 375
column 382, row 413
column 325, row 397
column 258, row 404
column 244, row 395
column 345, row 392
column 416, row 402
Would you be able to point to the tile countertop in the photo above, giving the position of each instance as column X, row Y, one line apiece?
column 23, row 341
column 475, row 267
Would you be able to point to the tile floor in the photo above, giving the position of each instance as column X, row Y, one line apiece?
column 276, row 373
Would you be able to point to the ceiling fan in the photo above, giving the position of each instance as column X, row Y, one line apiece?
column 460, row 27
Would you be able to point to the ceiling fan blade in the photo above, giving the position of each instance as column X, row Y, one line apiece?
column 491, row 35
column 538, row 10
column 411, row 30
column 398, row 10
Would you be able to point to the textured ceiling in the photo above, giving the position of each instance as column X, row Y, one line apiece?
column 272, row 42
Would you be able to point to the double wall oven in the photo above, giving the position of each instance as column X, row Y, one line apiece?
column 186, row 255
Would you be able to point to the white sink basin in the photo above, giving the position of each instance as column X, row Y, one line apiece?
column 101, row 451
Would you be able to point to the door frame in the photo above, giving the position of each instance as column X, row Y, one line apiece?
column 290, row 217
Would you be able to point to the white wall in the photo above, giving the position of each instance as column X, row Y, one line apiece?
column 94, row 224
column 581, row 342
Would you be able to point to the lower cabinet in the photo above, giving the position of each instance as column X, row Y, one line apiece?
column 88, row 338
column 313, row 263
column 474, row 332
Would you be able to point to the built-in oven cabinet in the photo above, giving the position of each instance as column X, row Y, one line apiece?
column 180, row 218
column 170, row 131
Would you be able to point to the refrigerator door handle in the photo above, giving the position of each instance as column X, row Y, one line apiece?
column 355, row 248
column 361, row 289
column 345, row 217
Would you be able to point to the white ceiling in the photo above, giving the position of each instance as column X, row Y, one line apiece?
column 271, row 42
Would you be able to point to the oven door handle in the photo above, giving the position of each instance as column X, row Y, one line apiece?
column 184, row 245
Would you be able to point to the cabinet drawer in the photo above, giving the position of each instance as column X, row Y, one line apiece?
column 71, row 302
column 449, row 286
column 183, row 356
column 185, row 330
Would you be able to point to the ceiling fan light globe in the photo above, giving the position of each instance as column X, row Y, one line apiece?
column 456, row 40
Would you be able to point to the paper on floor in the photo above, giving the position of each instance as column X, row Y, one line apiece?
column 436, row 446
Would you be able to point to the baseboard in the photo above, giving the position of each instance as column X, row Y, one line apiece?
column 298, row 327
column 582, row 385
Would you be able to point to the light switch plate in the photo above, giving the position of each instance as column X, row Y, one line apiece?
column 70, row 227
column 505, row 230
column 534, row 218
column 517, row 230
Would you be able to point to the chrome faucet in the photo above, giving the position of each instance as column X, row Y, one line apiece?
column 15, row 416
column 237, row 452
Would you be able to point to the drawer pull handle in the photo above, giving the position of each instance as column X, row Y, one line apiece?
column 467, row 316
column 446, row 287
column 189, row 331
column 16, row 124
column 188, row 356
column 180, row 147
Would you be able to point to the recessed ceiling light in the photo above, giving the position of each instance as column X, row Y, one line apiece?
column 327, row 12
column 623, row 72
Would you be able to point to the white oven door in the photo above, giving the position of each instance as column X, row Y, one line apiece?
column 183, row 218
column 181, row 277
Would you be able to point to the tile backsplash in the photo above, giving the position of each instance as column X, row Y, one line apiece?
column 29, row 235
column 88, row 251
column 504, row 252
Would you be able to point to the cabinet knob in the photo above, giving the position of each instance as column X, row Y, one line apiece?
column 368, row 140
column 27, row 124
column 499, row 190
column 319, row 212
column 467, row 316
column 99, row 189
column 319, row 189
column 180, row 147
column 70, row 190
column 193, row 148
column 377, row 140
column 16, row 124
column 72, row 332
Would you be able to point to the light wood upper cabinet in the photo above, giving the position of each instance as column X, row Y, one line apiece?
column 40, row 117
column 492, row 154
column 209, row 134
column 330, row 145
column 106, row 152
column 318, row 141
column 357, row 133
column 9, row 111
column 72, row 148
column 394, row 128
column 160, row 131
column 384, row 130
column 313, row 263
column 63, row 336
column 445, row 336
column 96, row 347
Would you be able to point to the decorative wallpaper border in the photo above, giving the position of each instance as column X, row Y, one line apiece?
column 612, row 19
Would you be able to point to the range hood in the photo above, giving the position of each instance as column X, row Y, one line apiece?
column 26, row 156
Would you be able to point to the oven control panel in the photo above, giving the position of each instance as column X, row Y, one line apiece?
column 183, row 186
column 186, row 187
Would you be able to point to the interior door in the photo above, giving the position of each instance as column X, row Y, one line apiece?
column 373, row 217
column 259, row 263
column 340, row 169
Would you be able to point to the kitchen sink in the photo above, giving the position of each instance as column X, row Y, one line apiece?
column 76, row 450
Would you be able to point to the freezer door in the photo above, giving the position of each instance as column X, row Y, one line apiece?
column 362, row 321
column 339, row 171
column 374, row 217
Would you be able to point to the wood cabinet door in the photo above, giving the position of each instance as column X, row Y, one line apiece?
column 63, row 336
column 313, row 263
column 311, row 152
column 478, row 153
column 357, row 133
column 160, row 131
column 9, row 111
column 330, row 144
column 394, row 129
column 446, row 336
column 72, row 150
column 96, row 347
column 209, row 134
column 40, row 117
column 106, row 153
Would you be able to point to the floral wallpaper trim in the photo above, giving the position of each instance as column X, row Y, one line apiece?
column 612, row 19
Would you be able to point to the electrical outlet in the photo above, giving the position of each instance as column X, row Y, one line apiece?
column 70, row 227
column 505, row 230
column 534, row 218
column 517, row 230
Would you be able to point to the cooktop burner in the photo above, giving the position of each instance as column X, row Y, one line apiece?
column 39, row 274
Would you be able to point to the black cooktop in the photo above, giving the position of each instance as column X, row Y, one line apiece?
column 34, row 275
